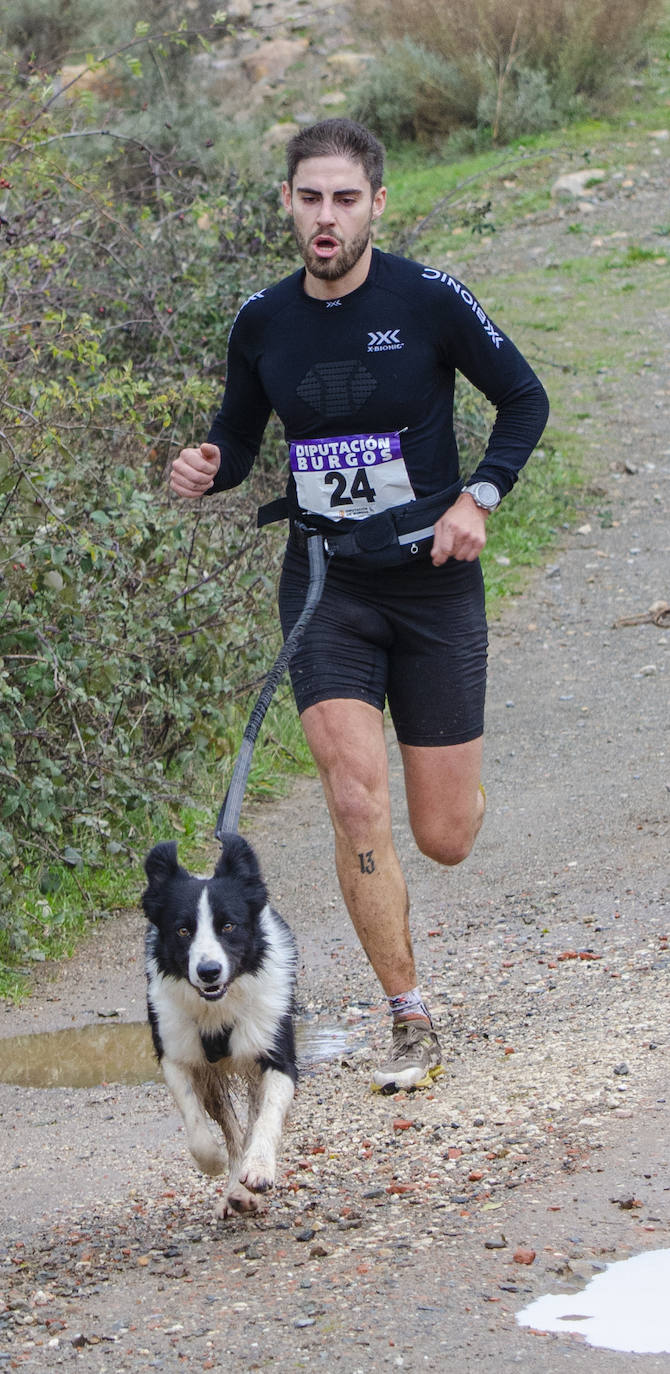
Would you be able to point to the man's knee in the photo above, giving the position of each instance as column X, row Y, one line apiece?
column 450, row 842
column 347, row 741
column 447, row 849
column 358, row 804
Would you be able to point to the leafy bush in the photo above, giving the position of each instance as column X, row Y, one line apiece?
column 512, row 66
column 131, row 626
column 415, row 93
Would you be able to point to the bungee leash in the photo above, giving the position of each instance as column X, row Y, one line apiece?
column 229, row 815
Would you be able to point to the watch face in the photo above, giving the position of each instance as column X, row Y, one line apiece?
column 485, row 494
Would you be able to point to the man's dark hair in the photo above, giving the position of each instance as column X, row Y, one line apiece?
column 338, row 138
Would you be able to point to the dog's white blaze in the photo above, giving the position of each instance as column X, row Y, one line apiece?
column 205, row 945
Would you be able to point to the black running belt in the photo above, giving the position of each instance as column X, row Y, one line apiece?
column 229, row 815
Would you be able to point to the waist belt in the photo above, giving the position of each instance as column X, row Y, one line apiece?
column 398, row 535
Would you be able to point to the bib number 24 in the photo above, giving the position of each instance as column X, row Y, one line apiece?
column 348, row 489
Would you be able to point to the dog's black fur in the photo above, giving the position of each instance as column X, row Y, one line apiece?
column 221, row 970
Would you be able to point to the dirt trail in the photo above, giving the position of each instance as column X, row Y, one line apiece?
column 390, row 1241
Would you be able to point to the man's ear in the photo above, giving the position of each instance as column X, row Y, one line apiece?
column 287, row 200
column 379, row 202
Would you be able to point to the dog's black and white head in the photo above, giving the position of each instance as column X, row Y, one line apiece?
column 207, row 930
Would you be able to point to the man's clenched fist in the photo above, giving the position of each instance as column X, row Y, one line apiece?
column 193, row 472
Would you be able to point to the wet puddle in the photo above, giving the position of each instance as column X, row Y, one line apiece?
column 624, row 1308
column 122, row 1053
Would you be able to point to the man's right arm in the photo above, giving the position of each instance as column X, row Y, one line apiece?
column 235, row 434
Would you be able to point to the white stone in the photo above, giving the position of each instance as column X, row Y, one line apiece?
column 574, row 184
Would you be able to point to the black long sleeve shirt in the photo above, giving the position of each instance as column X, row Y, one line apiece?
column 382, row 358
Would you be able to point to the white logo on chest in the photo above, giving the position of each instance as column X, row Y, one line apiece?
column 384, row 341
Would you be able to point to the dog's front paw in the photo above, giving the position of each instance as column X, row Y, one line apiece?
column 238, row 1200
column 257, row 1175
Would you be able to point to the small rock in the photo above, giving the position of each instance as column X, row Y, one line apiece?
column 572, row 185
column 523, row 1255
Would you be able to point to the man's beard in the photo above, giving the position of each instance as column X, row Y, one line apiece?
column 333, row 269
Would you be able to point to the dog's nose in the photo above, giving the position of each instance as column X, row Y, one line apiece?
column 209, row 971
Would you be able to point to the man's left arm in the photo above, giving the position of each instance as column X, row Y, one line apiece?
column 489, row 359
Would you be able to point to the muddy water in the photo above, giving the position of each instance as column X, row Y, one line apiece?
column 120, row 1053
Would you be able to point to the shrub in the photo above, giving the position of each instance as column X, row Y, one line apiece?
column 131, row 626
column 414, row 93
column 511, row 64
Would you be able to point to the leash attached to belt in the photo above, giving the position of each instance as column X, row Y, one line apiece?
column 229, row 815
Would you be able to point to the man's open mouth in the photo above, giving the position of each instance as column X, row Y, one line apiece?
column 325, row 245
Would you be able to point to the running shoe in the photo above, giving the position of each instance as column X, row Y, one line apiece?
column 415, row 1060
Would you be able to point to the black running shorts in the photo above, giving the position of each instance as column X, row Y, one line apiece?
column 413, row 636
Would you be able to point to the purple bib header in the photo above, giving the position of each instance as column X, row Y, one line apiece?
column 347, row 451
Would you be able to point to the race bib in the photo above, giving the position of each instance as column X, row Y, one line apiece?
column 350, row 477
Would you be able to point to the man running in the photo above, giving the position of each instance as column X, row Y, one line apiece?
column 357, row 352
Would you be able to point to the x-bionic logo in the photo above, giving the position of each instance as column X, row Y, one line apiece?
column 384, row 341
column 431, row 274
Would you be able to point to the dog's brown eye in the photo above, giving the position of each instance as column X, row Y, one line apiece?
column 228, row 926
column 184, row 932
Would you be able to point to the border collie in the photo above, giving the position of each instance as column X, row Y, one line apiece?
column 221, row 971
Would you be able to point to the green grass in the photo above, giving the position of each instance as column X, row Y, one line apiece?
column 542, row 505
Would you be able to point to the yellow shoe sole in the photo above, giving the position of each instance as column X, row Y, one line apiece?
column 388, row 1088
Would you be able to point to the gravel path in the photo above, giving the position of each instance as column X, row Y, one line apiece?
column 406, row 1232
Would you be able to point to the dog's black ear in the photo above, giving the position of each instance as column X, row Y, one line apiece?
column 160, row 865
column 239, row 861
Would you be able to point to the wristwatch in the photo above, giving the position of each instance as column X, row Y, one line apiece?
column 484, row 494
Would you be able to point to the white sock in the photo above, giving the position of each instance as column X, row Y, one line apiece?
column 408, row 1003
